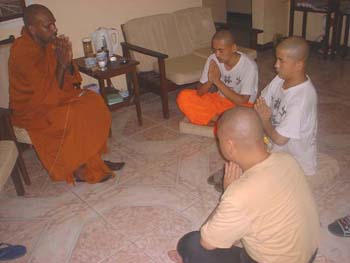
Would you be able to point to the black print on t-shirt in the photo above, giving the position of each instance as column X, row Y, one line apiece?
column 227, row 79
column 278, row 112
column 238, row 80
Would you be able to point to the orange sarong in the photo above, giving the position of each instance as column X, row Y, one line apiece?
column 202, row 109
column 67, row 130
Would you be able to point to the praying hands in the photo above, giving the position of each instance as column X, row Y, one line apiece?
column 263, row 110
column 63, row 49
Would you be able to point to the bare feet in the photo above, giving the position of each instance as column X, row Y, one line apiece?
column 79, row 175
column 174, row 256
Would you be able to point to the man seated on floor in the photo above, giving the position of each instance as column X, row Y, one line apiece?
column 288, row 105
column 233, row 73
column 267, row 203
column 68, row 127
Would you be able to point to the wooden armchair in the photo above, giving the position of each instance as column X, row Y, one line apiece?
column 16, row 134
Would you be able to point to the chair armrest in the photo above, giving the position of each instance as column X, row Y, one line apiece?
column 8, row 40
column 4, row 112
column 143, row 50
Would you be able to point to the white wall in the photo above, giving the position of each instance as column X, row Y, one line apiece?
column 78, row 18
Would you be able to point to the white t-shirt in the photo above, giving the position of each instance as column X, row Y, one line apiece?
column 242, row 78
column 294, row 115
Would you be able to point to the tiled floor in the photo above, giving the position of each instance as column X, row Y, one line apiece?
column 162, row 191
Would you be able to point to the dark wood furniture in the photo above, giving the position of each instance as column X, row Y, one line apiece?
column 330, row 9
column 115, row 69
column 343, row 11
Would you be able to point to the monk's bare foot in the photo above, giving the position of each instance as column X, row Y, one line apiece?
column 79, row 173
column 114, row 166
column 174, row 256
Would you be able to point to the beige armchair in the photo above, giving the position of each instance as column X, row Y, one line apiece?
column 16, row 134
column 9, row 166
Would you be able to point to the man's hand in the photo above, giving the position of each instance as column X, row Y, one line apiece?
column 63, row 51
column 263, row 110
column 232, row 173
column 214, row 72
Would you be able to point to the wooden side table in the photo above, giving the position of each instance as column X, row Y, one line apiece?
column 115, row 69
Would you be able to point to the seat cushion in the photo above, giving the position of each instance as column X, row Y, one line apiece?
column 201, row 130
column 8, row 158
column 22, row 135
column 158, row 33
column 205, row 52
column 326, row 172
column 184, row 69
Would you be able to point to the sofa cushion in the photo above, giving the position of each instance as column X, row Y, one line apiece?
column 186, row 127
column 326, row 172
column 156, row 32
column 205, row 52
column 196, row 26
column 184, row 69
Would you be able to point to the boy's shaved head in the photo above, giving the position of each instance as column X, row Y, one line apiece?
column 296, row 47
column 224, row 35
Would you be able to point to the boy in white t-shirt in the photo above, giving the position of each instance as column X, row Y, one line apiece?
column 288, row 105
column 233, row 73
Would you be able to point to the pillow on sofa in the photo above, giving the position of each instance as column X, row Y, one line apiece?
column 184, row 69
column 156, row 32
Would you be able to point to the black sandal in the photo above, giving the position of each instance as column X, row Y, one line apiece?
column 340, row 227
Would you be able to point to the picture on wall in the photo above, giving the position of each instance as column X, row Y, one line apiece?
column 10, row 9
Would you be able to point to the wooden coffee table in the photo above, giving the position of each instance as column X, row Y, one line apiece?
column 115, row 69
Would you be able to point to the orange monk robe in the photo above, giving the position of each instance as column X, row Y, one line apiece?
column 67, row 130
column 202, row 109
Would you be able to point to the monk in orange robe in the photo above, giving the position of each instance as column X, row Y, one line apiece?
column 69, row 127
column 233, row 73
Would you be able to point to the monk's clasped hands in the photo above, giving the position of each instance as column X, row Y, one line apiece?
column 63, row 49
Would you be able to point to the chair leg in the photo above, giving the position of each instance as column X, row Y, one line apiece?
column 22, row 166
column 17, row 180
column 163, row 89
column 346, row 36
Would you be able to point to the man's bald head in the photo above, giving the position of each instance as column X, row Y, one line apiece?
column 242, row 126
column 224, row 35
column 296, row 47
column 33, row 13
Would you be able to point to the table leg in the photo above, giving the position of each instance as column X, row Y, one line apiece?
column 137, row 96
column 102, row 86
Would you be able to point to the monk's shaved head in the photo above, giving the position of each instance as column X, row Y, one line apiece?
column 296, row 47
column 224, row 35
column 33, row 13
column 241, row 125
